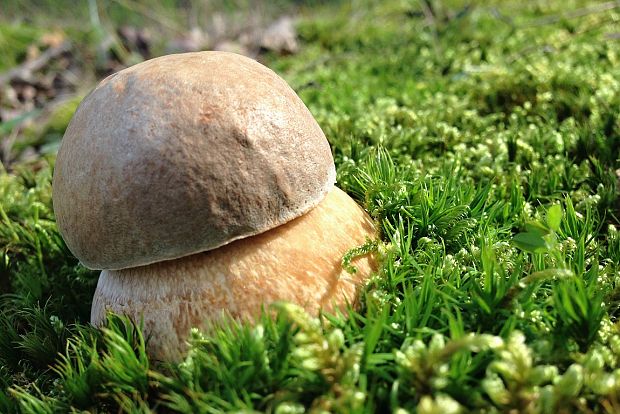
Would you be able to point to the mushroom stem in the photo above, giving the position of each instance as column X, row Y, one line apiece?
column 299, row 262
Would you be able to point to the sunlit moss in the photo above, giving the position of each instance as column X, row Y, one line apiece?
column 483, row 140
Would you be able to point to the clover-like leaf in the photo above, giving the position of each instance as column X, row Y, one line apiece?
column 554, row 217
column 530, row 242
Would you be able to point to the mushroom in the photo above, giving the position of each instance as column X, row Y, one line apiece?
column 204, row 188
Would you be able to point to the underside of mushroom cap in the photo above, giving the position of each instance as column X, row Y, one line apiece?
column 183, row 154
column 298, row 262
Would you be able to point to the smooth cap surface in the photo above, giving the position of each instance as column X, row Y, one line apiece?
column 183, row 154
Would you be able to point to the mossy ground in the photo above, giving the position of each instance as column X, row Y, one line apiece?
column 485, row 142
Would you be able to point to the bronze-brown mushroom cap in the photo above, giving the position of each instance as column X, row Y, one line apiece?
column 182, row 154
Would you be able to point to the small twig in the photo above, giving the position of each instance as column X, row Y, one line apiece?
column 540, row 276
column 547, row 48
column 25, row 70
column 585, row 11
column 529, row 50
column 93, row 12
column 7, row 145
column 148, row 12
column 41, row 116
column 429, row 16
column 502, row 17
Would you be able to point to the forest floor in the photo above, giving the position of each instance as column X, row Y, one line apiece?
column 483, row 139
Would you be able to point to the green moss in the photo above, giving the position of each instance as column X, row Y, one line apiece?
column 46, row 136
column 485, row 143
column 14, row 41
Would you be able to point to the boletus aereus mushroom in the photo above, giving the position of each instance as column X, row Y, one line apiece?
column 202, row 186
